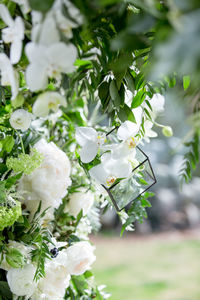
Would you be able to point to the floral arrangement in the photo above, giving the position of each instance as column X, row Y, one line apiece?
column 66, row 82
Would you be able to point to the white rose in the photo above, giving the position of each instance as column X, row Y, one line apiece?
column 49, row 182
column 20, row 119
column 78, row 201
column 21, row 281
column 80, row 256
column 56, row 279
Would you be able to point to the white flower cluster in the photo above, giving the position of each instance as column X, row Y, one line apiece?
column 48, row 55
column 74, row 260
column 118, row 159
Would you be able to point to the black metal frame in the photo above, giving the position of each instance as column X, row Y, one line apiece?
column 153, row 178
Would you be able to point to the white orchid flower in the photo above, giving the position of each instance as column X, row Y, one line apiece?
column 157, row 103
column 149, row 133
column 65, row 24
column 44, row 31
column 13, row 34
column 48, row 101
column 127, row 134
column 110, row 169
column 20, row 119
column 90, row 141
column 24, row 5
column 8, row 75
column 48, row 62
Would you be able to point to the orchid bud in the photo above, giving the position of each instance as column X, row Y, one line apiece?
column 167, row 131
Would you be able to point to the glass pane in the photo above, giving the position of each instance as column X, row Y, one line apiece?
column 130, row 188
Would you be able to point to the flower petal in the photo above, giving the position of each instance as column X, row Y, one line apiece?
column 122, row 150
column 47, row 101
column 157, row 103
column 36, row 77
column 85, row 134
column 5, row 15
column 88, row 152
column 8, row 75
column 15, row 51
column 63, row 56
column 36, row 53
column 48, row 34
column 118, row 168
column 99, row 173
column 19, row 25
column 127, row 130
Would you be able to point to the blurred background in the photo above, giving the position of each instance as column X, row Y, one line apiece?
column 160, row 259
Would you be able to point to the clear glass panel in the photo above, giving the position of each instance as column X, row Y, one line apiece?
column 129, row 189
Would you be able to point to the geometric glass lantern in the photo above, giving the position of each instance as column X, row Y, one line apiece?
column 123, row 192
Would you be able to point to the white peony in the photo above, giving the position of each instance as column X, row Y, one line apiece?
column 47, row 101
column 56, row 280
column 79, row 200
column 80, row 256
column 20, row 119
column 49, row 182
column 21, row 281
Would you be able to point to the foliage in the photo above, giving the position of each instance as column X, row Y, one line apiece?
column 127, row 52
column 191, row 158
column 137, row 210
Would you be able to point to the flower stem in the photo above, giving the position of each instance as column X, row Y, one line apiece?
column 21, row 141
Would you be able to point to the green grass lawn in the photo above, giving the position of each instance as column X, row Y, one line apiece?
column 162, row 268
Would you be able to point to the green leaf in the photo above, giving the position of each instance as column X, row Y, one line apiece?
column 103, row 92
column 73, row 239
column 142, row 181
column 88, row 274
column 128, row 222
column 12, row 180
column 2, row 192
column 186, row 82
column 138, row 99
column 80, row 283
column 14, row 258
column 8, row 143
column 145, row 202
column 114, row 93
column 41, row 5
column 5, row 291
column 125, row 113
column 130, row 82
column 171, row 81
